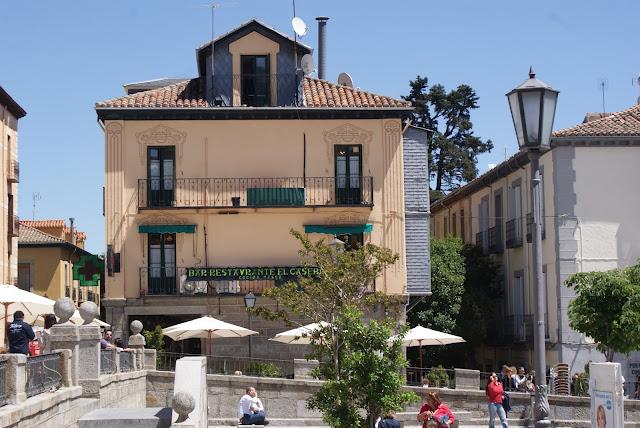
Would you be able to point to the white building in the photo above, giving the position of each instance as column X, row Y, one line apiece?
column 591, row 222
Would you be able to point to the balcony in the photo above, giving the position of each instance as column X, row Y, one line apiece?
column 284, row 192
column 170, row 281
column 14, row 225
column 517, row 329
column 530, row 228
column 13, row 171
column 257, row 90
column 495, row 239
column 481, row 241
column 514, row 233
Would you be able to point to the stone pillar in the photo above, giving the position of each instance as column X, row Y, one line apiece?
column 89, row 351
column 149, row 359
column 15, row 378
column 466, row 379
column 302, row 368
column 137, row 342
column 65, row 335
column 116, row 317
column 65, row 366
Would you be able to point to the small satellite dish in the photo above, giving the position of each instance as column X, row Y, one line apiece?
column 299, row 26
column 307, row 64
column 345, row 80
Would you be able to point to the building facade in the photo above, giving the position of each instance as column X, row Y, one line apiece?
column 589, row 204
column 206, row 177
column 47, row 256
column 10, row 113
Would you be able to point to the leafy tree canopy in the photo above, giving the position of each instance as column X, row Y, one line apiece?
column 453, row 149
column 607, row 308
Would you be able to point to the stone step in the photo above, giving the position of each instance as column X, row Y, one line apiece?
column 276, row 422
column 148, row 417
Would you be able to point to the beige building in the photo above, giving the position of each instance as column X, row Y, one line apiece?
column 46, row 257
column 590, row 223
column 10, row 113
column 213, row 172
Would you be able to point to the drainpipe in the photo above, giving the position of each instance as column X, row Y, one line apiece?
column 322, row 45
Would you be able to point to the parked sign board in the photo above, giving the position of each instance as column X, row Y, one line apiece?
column 251, row 273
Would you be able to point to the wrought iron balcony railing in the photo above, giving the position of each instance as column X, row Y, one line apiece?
column 13, row 173
column 495, row 239
column 283, row 192
column 513, row 233
column 171, row 281
column 530, row 228
column 481, row 241
column 257, row 90
column 14, row 225
column 517, row 329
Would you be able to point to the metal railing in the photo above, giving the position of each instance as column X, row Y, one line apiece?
column 435, row 377
column 3, row 382
column 495, row 239
column 481, row 241
column 517, row 329
column 107, row 361
column 166, row 361
column 170, row 281
column 257, row 90
column 530, row 228
column 125, row 361
column 43, row 374
column 13, row 175
column 283, row 192
column 14, row 225
column 513, row 234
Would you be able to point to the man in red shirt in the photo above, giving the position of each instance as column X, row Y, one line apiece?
column 494, row 392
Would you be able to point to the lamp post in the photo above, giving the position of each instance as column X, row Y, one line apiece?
column 249, row 303
column 533, row 107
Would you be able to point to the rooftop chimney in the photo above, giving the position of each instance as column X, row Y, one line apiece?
column 71, row 230
column 322, row 45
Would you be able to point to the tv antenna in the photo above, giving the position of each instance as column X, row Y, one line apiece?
column 603, row 85
column 345, row 80
column 35, row 196
column 636, row 81
column 299, row 29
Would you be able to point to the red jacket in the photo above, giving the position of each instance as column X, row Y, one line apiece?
column 494, row 391
column 443, row 410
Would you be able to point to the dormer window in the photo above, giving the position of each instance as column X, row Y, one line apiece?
column 255, row 80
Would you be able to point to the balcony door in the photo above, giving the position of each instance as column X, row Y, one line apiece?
column 161, row 176
column 255, row 80
column 162, row 263
column 348, row 174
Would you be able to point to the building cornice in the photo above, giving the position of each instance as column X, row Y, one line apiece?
column 11, row 104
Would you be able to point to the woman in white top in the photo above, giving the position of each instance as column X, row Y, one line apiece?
column 519, row 380
column 250, row 409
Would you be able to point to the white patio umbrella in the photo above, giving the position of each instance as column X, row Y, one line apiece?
column 13, row 299
column 206, row 328
column 421, row 336
column 299, row 336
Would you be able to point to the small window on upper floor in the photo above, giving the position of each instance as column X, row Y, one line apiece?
column 255, row 80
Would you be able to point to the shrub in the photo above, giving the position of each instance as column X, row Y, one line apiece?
column 264, row 370
column 438, row 377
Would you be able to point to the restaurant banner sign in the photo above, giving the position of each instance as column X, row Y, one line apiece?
column 275, row 273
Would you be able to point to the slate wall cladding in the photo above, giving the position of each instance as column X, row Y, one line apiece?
column 416, row 200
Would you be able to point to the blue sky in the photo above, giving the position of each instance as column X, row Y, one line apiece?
column 59, row 58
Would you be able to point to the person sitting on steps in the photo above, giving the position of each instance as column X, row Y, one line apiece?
column 250, row 409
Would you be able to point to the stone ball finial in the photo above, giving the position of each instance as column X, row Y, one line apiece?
column 183, row 403
column 88, row 312
column 64, row 308
column 135, row 326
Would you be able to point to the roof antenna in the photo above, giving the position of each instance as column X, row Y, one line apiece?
column 35, row 196
column 213, row 7
column 636, row 81
column 603, row 85
column 299, row 29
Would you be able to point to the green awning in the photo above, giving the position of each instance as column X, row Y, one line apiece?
column 167, row 228
column 338, row 229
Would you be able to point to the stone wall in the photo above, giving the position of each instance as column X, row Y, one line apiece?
column 286, row 398
column 123, row 390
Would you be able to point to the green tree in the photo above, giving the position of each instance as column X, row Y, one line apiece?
column 369, row 380
column 440, row 310
column 453, row 148
column 607, row 308
column 154, row 339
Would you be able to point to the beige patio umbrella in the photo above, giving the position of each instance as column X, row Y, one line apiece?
column 299, row 336
column 206, row 328
column 421, row 336
column 13, row 299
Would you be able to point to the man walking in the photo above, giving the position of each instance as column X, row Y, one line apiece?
column 250, row 409
column 20, row 334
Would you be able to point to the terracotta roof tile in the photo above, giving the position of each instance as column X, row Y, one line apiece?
column 186, row 94
column 322, row 93
column 625, row 123
column 31, row 235
column 43, row 223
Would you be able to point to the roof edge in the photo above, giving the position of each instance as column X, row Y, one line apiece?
column 11, row 104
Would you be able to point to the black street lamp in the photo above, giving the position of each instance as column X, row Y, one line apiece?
column 533, row 108
column 249, row 303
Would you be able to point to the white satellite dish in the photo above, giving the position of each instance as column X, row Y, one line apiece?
column 345, row 80
column 307, row 64
column 299, row 26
